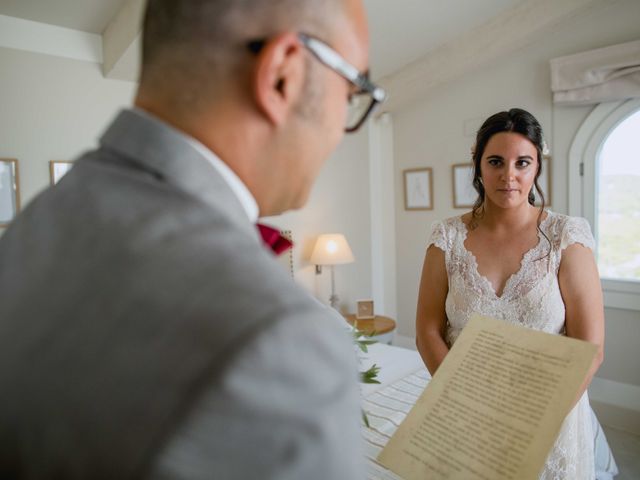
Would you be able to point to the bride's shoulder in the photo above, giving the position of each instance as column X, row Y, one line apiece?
column 447, row 222
column 466, row 219
column 444, row 232
column 562, row 228
column 451, row 224
column 559, row 221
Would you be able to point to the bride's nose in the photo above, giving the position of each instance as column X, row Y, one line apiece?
column 509, row 172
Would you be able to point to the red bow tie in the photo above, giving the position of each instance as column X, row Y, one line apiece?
column 274, row 240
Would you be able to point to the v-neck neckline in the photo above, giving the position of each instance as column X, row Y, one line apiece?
column 511, row 279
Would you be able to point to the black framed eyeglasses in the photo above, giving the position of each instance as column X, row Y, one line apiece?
column 367, row 96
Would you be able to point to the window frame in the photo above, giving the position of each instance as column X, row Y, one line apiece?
column 583, row 172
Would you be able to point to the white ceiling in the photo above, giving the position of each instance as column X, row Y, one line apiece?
column 401, row 30
column 404, row 30
column 86, row 15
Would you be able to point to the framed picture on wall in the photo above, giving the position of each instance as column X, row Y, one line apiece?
column 545, row 181
column 418, row 189
column 58, row 169
column 9, row 190
column 464, row 195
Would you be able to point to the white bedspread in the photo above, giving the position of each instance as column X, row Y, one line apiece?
column 394, row 363
column 403, row 377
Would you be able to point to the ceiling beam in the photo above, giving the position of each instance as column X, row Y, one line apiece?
column 503, row 34
column 20, row 34
column 121, row 42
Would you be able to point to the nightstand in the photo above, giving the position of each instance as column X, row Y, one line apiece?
column 384, row 327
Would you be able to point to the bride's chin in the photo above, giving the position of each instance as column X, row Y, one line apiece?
column 507, row 203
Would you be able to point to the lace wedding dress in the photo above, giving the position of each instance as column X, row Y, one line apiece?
column 531, row 297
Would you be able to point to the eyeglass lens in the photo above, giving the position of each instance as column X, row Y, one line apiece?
column 358, row 108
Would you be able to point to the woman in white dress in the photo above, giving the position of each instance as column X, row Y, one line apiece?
column 514, row 261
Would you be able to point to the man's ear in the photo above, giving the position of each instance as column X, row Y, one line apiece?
column 279, row 76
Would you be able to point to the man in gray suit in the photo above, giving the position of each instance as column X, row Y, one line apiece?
column 145, row 330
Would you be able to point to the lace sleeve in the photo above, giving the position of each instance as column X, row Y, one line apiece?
column 577, row 230
column 438, row 236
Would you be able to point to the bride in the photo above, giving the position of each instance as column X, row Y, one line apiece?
column 523, row 264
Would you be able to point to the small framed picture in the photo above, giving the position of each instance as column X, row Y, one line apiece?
column 545, row 181
column 464, row 195
column 418, row 189
column 9, row 190
column 58, row 169
column 364, row 309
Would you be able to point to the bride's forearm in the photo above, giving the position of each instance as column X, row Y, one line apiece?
column 590, row 374
column 432, row 349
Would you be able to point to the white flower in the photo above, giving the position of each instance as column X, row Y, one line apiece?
column 545, row 148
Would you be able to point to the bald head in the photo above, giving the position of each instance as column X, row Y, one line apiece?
column 199, row 43
column 235, row 75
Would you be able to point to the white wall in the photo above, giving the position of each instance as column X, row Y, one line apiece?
column 52, row 108
column 431, row 133
column 339, row 203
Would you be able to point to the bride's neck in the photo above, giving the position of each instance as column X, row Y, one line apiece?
column 496, row 218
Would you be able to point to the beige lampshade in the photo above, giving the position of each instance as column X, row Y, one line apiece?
column 331, row 249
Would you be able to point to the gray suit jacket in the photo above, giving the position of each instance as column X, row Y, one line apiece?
column 146, row 333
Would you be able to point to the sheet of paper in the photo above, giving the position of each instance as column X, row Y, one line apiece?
column 494, row 408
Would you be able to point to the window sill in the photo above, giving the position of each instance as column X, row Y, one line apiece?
column 620, row 294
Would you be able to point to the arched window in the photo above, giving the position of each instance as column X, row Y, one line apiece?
column 618, row 202
column 604, row 187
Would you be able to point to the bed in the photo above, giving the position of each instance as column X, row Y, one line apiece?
column 403, row 377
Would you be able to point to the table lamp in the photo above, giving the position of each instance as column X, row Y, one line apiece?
column 331, row 249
